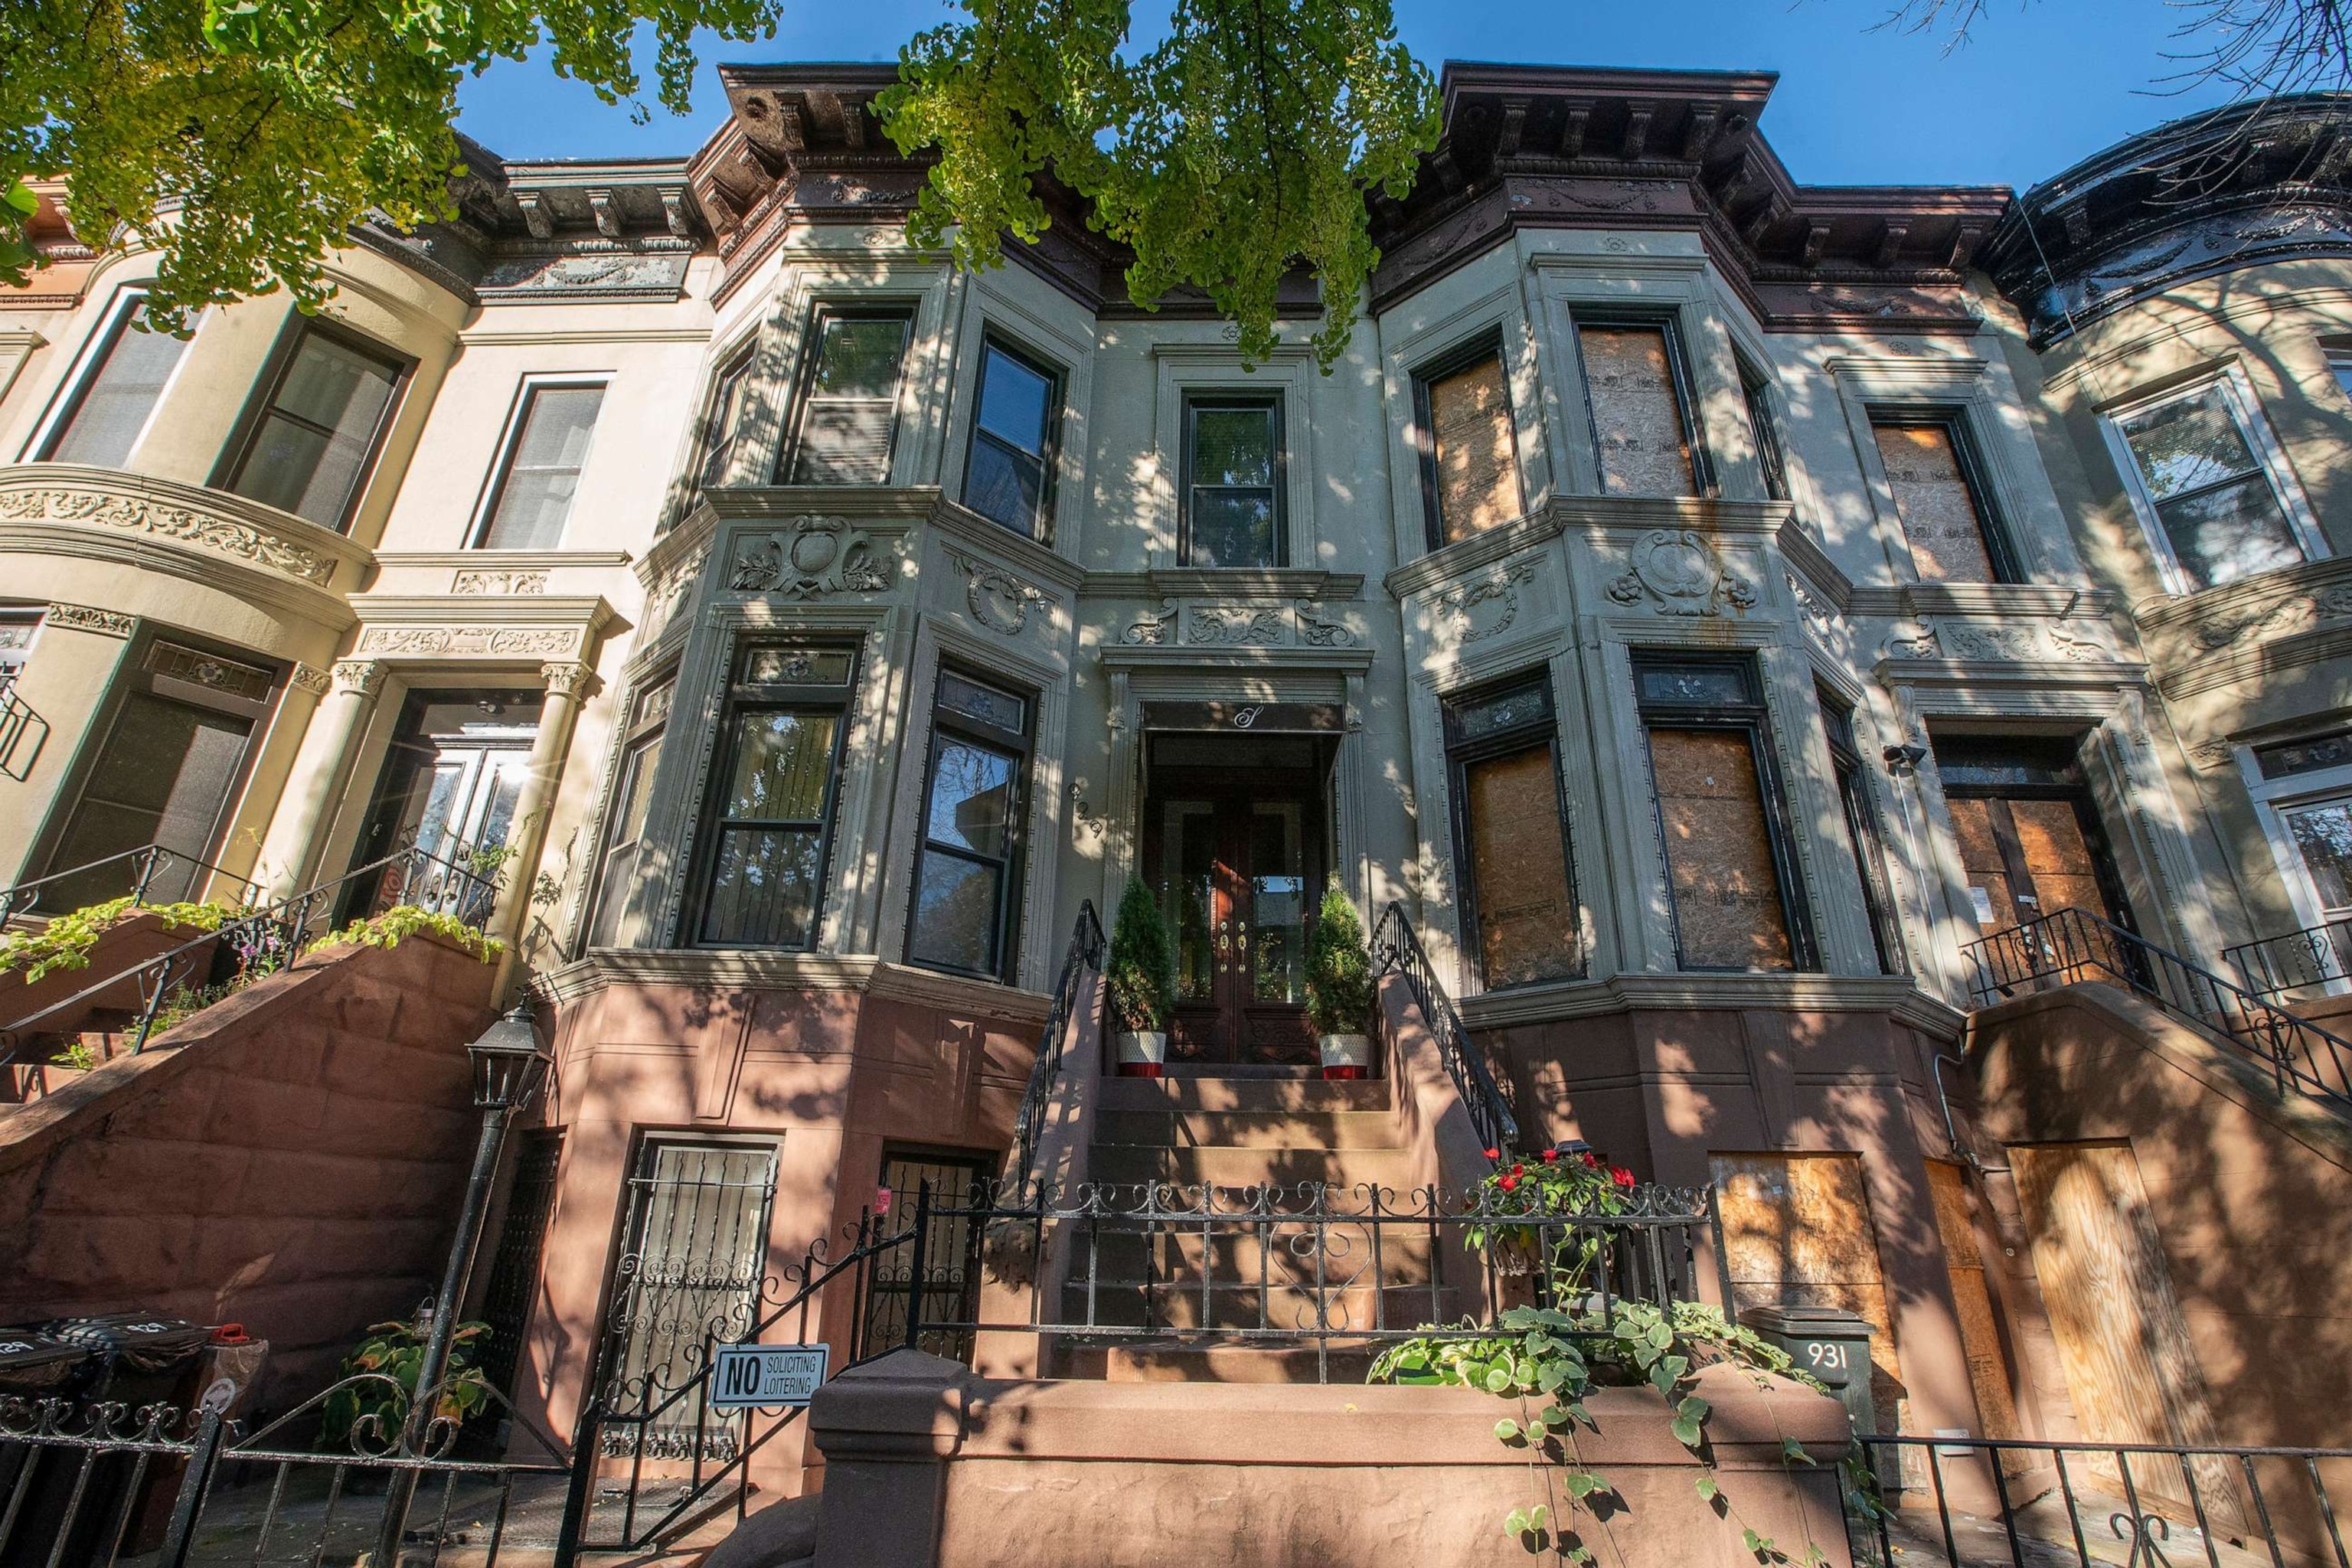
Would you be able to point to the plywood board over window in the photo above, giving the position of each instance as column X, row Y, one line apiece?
column 1973, row 1300
column 1527, row 912
column 1727, row 908
column 1939, row 509
column 1797, row 1232
column 1638, row 424
column 1476, row 481
column 2131, row 1367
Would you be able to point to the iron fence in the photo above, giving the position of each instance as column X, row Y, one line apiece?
column 2312, row 958
column 260, row 940
column 89, row 1486
column 1979, row 1502
column 145, row 869
column 1395, row 946
column 2071, row 945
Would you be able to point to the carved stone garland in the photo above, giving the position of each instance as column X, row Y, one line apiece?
column 997, row 599
column 812, row 557
column 1684, row 573
column 223, row 536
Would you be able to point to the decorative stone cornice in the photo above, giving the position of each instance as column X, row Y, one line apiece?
column 86, row 618
column 1894, row 995
column 527, row 630
column 2275, row 620
column 208, row 525
column 711, row 969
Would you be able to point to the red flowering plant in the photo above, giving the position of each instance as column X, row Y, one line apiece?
column 1551, row 1184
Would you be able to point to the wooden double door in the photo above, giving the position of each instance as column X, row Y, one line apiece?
column 1238, row 858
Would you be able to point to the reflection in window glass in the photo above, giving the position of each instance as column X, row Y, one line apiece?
column 2322, row 833
column 2212, row 497
column 118, row 397
column 543, row 469
column 1232, row 499
column 1007, row 473
column 972, row 830
column 319, row 430
column 764, row 881
column 850, row 412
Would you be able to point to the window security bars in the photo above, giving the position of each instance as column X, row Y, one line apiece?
column 2074, row 1505
column 2314, row 958
column 1396, row 947
column 2069, row 946
column 312, row 1484
column 255, row 940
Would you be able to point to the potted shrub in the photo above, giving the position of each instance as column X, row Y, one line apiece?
column 1141, row 982
column 1339, row 986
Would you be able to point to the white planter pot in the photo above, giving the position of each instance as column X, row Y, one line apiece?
column 1346, row 1056
column 1142, row 1055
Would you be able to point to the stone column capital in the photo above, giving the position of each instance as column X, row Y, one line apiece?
column 359, row 677
column 566, row 679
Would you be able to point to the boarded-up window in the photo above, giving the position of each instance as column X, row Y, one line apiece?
column 849, row 411
column 1519, row 903
column 1719, row 851
column 1721, row 829
column 1797, row 1233
column 1476, row 483
column 1973, row 1300
column 1640, row 429
column 1942, row 514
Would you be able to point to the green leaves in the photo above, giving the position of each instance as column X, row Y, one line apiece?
column 1707, row 1488
column 1793, row 1450
column 1690, row 1416
column 1246, row 141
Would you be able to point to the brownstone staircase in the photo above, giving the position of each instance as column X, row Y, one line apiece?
column 1260, row 1153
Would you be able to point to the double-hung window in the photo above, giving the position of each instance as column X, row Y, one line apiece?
column 120, row 384
column 1942, row 497
column 625, row 821
column 772, row 812
column 967, row 870
column 1862, row 831
column 538, row 473
column 318, row 429
column 1756, row 396
column 1637, row 390
column 1009, row 471
column 2211, row 486
column 1722, row 827
column 1520, row 921
column 849, row 397
column 1470, row 471
column 1233, row 481
column 724, row 423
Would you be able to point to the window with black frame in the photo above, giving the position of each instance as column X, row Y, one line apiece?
column 1009, row 470
column 1638, row 393
column 1722, row 825
column 773, row 805
column 1862, row 831
column 1943, row 497
column 625, row 820
column 848, row 416
column 311, row 443
column 1233, row 481
column 1470, row 471
column 1520, row 918
column 724, row 421
column 966, row 907
column 1756, row 394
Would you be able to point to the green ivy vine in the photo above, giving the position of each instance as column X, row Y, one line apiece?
column 67, row 941
column 403, row 921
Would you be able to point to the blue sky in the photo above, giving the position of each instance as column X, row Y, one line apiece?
column 2040, row 84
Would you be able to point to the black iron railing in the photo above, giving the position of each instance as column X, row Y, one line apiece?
column 19, row 725
column 1977, row 1502
column 2307, row 960
column 1083, row 957
column 1396, row 946
column 262, row 939
column 2072, row 946
column 146, row 870
column 76, row 1479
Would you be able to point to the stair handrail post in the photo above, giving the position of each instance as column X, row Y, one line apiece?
column 1396, row 946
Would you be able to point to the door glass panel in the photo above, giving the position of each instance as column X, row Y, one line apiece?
column 1519, row 865
column 1727, row 889
column 1637, row 418
column 1935, row 504
column 1188, row 858
column 2323, row 835
column 1277, row 928
column 696, row 1255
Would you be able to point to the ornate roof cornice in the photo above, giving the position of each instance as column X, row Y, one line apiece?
column 2212, row 193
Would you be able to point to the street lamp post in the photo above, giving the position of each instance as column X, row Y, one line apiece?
column 508, row 1066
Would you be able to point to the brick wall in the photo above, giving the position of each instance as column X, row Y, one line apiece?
column 291, row 1159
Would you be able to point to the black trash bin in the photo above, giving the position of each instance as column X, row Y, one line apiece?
column 134, row 1360
column 34, row 1366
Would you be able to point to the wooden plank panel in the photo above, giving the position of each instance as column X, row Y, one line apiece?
column 1797, row 1232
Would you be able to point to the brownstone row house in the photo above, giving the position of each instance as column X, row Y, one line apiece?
column 1704, row 603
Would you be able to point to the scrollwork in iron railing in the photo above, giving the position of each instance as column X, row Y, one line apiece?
column 2314, row 958
column 2070, row 946
column 1396, row 946
column 1083, row 957
column 105, row 1424
column 259, row 940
